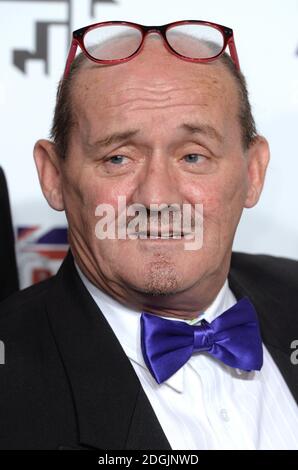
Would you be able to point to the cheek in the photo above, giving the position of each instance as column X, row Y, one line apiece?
column 84, row 191
column 99, row 190
column 223, row 198
column 80, row 198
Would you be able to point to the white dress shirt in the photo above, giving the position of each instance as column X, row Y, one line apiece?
column 206, row 404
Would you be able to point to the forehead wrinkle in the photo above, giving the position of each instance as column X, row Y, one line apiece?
column 145, row 82
column 138, row 98
column 149, row 105
column 95, row 94
column 166, row 91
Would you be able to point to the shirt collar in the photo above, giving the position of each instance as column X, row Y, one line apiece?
column 125, row 322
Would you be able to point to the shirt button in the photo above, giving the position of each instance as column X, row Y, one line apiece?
column 224, row 415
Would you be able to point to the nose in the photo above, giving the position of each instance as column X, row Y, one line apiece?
column 157, row 185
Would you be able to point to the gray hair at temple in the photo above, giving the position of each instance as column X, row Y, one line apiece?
column 63, row 115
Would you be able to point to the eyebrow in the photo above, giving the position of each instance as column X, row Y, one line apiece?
column 111, row 139
column 204, row 129
column 118, row 137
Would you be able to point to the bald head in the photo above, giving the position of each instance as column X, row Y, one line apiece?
column 154, row 68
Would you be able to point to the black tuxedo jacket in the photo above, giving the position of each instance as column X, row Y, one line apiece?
column 67, row 383
column 8, row 268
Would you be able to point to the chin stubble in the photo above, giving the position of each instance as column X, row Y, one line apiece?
column 161, row 278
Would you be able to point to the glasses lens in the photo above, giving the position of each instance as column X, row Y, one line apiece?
column 110, row 42
column 196, row 41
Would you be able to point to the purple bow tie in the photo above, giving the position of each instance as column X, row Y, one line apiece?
column 233, row 337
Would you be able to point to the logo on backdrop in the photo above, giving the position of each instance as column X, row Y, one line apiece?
column 40, row 252
column 42, row 28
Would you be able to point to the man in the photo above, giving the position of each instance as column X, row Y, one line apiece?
column 154, row 129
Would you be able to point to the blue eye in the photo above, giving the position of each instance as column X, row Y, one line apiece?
column 116, row 159
column 193, row 158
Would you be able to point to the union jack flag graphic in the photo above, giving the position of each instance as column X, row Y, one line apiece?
column 40, row 252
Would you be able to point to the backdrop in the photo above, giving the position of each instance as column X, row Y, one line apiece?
column 34, row 41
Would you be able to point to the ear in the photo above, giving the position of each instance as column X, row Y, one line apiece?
column 258, row 156
column 48, row 167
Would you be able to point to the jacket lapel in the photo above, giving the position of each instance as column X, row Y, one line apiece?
column 112, row 409
column 275, row 316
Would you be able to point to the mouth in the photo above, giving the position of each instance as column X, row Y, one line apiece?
column 159, row 235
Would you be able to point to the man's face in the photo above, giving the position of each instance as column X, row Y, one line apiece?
column 155, row 130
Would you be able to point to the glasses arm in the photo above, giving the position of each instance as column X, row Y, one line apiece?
column 70, row 57
column 233, row 52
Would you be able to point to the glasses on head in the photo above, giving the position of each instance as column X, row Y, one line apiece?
column 113, row 42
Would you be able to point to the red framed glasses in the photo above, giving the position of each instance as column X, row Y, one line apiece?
column 113, row 42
